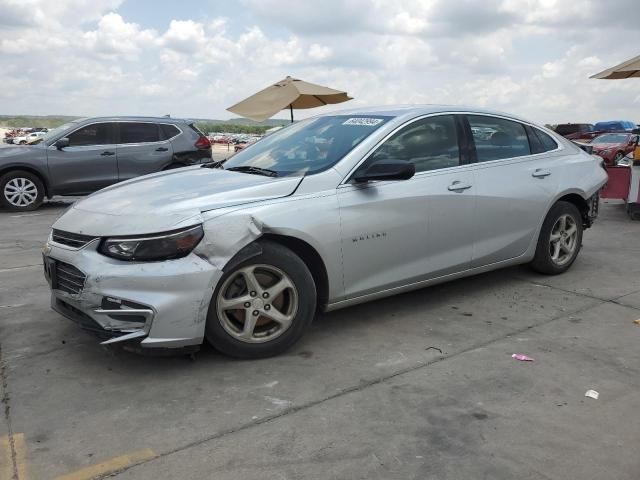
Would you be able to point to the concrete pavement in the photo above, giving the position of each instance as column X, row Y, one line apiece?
column 421, row 385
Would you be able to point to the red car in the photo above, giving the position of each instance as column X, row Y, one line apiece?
column 614, row 146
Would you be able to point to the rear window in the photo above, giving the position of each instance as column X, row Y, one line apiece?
column 169, row 131
column 196, row 129
column 135, row 132
column 569, row 129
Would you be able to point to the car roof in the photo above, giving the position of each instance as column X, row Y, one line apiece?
column 409, row 111
column 125, row 118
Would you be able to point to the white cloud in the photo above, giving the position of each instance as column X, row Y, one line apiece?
column 531, row 57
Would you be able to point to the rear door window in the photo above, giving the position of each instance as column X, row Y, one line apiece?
column 498, row 138
column 137, row 132
column 547, row 142
column 539, row 141
column 94, row 134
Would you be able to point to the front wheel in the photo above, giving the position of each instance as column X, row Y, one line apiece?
column 263, row 305
column 21, row 191
column 560, row 239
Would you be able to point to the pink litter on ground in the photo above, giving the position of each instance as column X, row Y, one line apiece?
column 522, row 357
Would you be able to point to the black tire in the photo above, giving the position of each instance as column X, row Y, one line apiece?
column 542, row 261
column 17, row 174
column 618, row 156
column 633, row 209
column 280, row 257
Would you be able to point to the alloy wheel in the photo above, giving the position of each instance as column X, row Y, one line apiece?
column 20, row 192
column 257, row 303
column 563, row 240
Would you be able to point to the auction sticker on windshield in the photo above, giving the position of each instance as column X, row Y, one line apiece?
column 364, row 121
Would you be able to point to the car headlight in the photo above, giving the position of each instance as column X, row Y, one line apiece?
column 160, row 246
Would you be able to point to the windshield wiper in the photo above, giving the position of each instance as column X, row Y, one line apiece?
column 217, row 164
column 255, row 170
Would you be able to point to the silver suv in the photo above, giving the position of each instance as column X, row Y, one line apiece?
column 326, row 213
column 86, row 155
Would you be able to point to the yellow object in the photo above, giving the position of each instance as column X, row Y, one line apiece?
column 13, row 457
column 110, row 466
column 637, row 322
column 636, row 153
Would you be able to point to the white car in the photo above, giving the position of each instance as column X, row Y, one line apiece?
column 28, row 138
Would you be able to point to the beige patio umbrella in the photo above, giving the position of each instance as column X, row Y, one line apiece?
column 628, row 69
column 288, row 93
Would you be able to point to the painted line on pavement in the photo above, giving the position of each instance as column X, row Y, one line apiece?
column 110, row 466
column 13, row 457
column 11, row 269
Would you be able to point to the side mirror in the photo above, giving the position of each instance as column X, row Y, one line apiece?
column 386, row 170
column 61, row 143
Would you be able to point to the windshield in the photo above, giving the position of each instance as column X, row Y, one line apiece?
column 610, row 138
column 307, row 147
column 51, row 134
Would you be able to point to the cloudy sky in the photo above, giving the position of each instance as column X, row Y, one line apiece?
column 194, row 58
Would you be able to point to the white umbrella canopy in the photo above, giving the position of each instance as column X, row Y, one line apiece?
column 628, row 69
column 288, row 93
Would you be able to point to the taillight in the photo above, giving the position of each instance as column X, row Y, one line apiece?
column 203, row 143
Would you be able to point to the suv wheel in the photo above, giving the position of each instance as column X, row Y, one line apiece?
column 560, row 239
column 262, row 306
column 21, row 191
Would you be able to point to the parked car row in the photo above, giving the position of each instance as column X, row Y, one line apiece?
column 233, row 138
column 587, row 132
column 86, row 155
column 23, row 136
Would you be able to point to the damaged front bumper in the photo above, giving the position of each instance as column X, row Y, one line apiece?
column 159, row 304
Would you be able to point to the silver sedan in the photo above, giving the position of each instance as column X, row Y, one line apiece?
column 329, row 212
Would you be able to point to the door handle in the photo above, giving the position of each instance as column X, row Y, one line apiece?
column 540, row 173
column 107, row 154
column 458, row 186
column 161, row 149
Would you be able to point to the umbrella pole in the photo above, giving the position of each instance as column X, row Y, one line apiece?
column 291, row 109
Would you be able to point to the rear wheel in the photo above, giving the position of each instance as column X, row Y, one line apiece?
column 263, row 305
column 560, row 239
column 21, row 191
column 619, row 156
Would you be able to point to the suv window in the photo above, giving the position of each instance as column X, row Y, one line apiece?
column 94, row 134
column 430, row 144
column 497, row 138
column 135, row 132
column 169, row 131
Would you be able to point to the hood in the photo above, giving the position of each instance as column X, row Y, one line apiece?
column 167, row 200
column 11, row 151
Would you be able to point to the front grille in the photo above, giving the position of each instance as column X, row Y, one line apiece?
column 69, row 239
column 68, row 278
